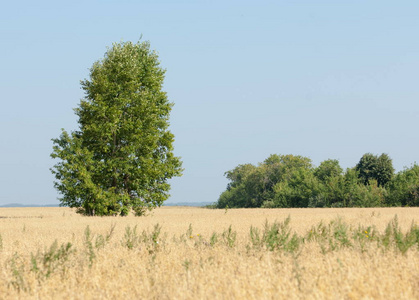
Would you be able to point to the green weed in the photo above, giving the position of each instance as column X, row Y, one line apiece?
column 276, row 236
column 131, row 237
column 213, row 239
column 364, row 235
column 189, row 232
column 255, row 237
column 330, row 237
column 187, row 264
column 47, row 262
column 88, row 243
column 152, row 240
column 101, row 240
column 229, row 237
column 394, row 236
column 339, row 231
column 18, row 269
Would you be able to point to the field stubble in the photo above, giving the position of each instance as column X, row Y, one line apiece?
column 196, row 253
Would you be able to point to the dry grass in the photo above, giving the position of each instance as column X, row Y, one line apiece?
column 185, row 264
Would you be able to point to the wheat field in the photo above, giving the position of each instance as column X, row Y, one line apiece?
column 197, row 253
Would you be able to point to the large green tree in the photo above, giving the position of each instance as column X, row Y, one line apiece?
column 254, row 186
column 122, row 155
column 292, row 181
column 403, row 189
column 372, row 167
column 328, row 169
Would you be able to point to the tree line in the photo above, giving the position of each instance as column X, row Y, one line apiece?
column 121, row 157
column 283, row 181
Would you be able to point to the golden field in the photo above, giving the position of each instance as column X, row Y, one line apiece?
column 195, row 256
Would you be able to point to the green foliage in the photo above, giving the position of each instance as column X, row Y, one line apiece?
column 151, row 240
column 153, row 237
column 43, row 264
column 95, row 242
column 238, row 175
column 88, row 242
column 276, row 236
column 186, row 264
column 255, row 237
column 17, row 266
column 189, row 232
column 337, row 235
column 47, row 262
column 229, row 237
column 331, row 237
column 236, row 194
column 403, row 189
column 327, row 170
column 384, row 170
column 292, row 181
column 131, row 237
column 252, row 186
column 365, row 235
column 379, row 168
column 213, row 239
column 211, row 206
column 394, row 236
column 372, row 196
column 121, row 157
column 300, row 188
column 339, row 231
column 101, row 240
column 360, row 195
column 334, row 236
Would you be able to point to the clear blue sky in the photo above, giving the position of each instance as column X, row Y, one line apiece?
column 323, row 79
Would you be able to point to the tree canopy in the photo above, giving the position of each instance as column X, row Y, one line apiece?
column 293, row 181
column 373, row 167
column 121, row 156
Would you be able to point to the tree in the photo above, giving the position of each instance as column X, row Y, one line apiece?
column 384, row 170
column 328, row 169
column 238, row 175
column 235, row 195
column 366, row 167
column 378, row 168
column 403, row 189
column 121, row 157
column 252, row 186
column 299, row 190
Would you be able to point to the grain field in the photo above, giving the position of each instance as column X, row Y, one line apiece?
column 197, row 253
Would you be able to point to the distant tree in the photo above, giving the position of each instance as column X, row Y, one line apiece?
column 370, row 195
column 366, row 167
column 385, row 170
column 121, row 157
column 253, row 186
column 379, row 168
column 292, row 181
column 403, row 189
column 328, row 169
column 236, row 195
column 238, row 175
column 299, row 190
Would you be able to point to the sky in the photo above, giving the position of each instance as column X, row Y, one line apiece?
column 322, row 79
